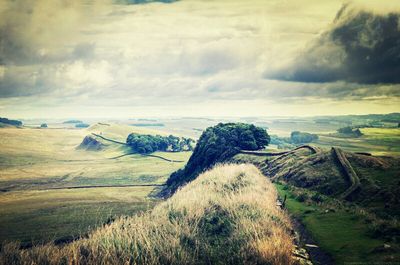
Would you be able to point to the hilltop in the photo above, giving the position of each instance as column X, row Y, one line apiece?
column 120, row 132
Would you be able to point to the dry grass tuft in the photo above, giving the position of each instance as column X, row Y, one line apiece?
column 226, row 216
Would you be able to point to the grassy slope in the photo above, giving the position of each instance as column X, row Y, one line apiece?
column 32, row 161
column 346, row 232
column 226, row 216
column 342, row 233
column 34, row 216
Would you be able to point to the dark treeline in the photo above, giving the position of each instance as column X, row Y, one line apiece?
column 73, row 121
column 81, row 125
column 350, row 131
column 297, row 137
column 218, row 144
column 145, row 144
column 11, row 122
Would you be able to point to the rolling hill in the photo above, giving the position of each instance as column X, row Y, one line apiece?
column 349, row 202
column 225, row 216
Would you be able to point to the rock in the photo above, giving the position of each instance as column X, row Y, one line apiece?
column 311, row 246
column 301, row 256
column 90, row 143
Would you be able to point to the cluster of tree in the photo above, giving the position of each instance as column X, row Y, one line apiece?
column 81, row 125
column 73, row 121
column 11, row 122
column 218, row 144
column 145, row 144
column 350, row 131
column 281, row 142
column 297, row 137
column 43, row 125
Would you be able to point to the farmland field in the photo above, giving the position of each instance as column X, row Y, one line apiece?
column 377, row 141
column 49, row 189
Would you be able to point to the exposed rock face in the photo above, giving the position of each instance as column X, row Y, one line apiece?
column 90, row 143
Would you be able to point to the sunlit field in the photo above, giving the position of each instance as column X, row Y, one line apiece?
column 377, row 141
column 49, row 189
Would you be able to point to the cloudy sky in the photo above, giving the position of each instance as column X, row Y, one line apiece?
column 127, row 58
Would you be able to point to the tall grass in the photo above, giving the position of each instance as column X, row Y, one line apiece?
column 225, row 216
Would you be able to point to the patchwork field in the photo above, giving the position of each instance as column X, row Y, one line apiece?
column 377, row 141
column 50, row 190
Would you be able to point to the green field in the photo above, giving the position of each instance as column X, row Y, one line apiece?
column 51, row 190
column 377, row 141
column 339, row 230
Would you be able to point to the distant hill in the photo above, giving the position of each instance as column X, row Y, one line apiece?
column 148, row 124
column 4, row 122
column 72, row 121
column 120, row 132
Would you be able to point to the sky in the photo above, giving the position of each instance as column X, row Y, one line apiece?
column 144, row 58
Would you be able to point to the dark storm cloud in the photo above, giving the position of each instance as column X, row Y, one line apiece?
column 12, row 47
column 23, row 82
column 361, row 47
column 36, row 31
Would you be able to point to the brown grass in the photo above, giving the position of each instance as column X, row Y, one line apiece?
column 226, row 216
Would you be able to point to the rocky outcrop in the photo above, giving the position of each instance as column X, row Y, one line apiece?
column 90, row 143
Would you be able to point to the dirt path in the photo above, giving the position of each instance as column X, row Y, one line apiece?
column 317, row 255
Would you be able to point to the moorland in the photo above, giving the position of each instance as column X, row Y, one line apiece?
column 76, row 190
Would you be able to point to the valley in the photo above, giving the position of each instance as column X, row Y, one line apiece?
column 51, row 189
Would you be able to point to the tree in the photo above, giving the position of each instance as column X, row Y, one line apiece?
column 297, row 137
column 81, row 125
column 350, row 131
column 43, row 125
column 345, row 130
column 219, row 144
column 10, row 122
column 145, row 144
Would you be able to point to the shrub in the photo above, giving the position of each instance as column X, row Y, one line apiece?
column 317, row 198
column 302, row 197
column 297, row 137
column 81, row 125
